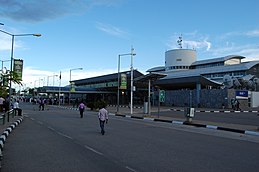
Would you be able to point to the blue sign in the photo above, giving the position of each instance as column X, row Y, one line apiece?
column 242, row 94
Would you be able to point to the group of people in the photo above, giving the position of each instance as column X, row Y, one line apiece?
column 4, row 105
column 102, row 115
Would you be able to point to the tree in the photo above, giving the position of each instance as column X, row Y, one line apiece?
column 13, row 76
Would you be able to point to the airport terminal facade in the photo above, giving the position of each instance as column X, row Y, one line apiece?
column 186, row 82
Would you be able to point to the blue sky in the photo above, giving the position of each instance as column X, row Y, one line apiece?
column 92, row 33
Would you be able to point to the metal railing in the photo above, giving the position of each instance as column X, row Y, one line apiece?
column 5, row 117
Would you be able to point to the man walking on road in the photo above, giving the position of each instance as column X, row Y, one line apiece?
column 103, row 117
column 81, row 108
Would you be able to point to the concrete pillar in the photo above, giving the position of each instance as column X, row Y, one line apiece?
column 198, row 91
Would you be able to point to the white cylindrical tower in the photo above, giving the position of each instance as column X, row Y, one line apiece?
column 179, row 59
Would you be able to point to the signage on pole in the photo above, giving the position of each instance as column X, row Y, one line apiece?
column 18, row 67
column 123, row 85
column 162, row 96
column 72, row 88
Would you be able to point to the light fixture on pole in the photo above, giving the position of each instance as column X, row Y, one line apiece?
column 12, row 50
column 3, row 63
column 2, row 70
column 70, row 83
column 118, row 84
column 49, row 77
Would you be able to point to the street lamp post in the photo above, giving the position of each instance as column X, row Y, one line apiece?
column 3, row 63
column 118, row 87
column 2, row 70
column 12, row 50
column 49, row 77
column 70, row 83
column 42, row 82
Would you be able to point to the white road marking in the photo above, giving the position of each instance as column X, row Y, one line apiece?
column 65, row 135
column 91, row 149
column 51, row 128
column 131, row 169
column 39, row 122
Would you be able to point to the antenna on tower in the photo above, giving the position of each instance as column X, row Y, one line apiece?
column 179, row 42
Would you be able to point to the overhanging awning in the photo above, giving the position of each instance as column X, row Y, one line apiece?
column 151, row 76
column 186, row 83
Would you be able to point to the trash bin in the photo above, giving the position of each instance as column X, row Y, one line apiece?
column 145, row 109
column 19, row 112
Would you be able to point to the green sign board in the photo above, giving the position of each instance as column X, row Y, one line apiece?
column 123, row 85
column 162, row 96
column 17, row 68
column 72, row 87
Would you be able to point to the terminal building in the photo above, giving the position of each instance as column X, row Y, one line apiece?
column 185, row 80
column 207, row 83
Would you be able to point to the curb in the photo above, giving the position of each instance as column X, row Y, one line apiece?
column 247, row 132
column 220, row 111
column 5, row 134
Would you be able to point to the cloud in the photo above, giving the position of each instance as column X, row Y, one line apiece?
column 35, row 77
column 233, row 46
column 6, row 43
column 111, row 30
column 191, row 40
column 198, row 44
column 250, row 51
column 36, row 11
column 253, row 33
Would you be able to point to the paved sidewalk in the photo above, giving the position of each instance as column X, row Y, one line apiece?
column 12, row 119
column 167, row 114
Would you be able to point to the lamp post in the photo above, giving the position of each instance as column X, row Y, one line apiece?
column 12, row 50
column 34, row 90
column 118, row 87
column 70, row 82
column 2, row 70
column 3, row 63
column 53, row 79
column 42, row 82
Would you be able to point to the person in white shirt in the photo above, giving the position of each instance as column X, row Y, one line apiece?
column 103, row 117
column 16, row 106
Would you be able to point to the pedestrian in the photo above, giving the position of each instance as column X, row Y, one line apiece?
column 81, row 108
column 233, row 104
column 237, row 105
column 103, row 117
column 15, row 106
column 2, row 100
column 41, row 104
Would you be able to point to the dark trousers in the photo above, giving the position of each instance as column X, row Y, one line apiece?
column 81, row 113
column 102, row 126
column 41, row 107
column 1, row 107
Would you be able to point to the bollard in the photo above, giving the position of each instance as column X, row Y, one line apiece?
column 189, row 114
column 3, row 117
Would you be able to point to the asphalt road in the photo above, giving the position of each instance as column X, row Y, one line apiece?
column 58, row 140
